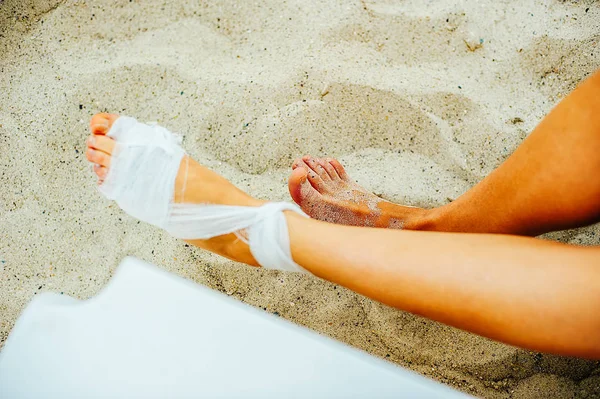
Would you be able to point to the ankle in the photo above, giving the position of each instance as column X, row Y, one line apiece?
column 196, row 184
column 423, row 219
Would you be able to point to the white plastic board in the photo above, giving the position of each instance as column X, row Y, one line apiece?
column 150, row 334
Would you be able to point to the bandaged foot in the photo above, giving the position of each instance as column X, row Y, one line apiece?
column 144, row 169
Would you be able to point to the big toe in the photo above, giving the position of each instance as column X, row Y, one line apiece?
column 101, row 123
column 300, row 189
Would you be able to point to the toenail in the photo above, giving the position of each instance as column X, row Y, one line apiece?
column 99, row 124
column 91, row 141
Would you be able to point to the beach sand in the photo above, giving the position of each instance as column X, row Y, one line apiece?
column 419, row 99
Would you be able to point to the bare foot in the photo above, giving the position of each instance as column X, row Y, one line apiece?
column 201, row 186
column 324, row 191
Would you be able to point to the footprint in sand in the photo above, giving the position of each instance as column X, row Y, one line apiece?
column 347, row 119
column 443, row 127
column 557, row 66
column 474, row 146
column 409, row 39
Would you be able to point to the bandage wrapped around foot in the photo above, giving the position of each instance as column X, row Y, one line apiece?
column 141, row 179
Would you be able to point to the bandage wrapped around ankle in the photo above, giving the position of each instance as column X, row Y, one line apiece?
column 141, row 179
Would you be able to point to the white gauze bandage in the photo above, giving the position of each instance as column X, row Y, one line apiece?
column 141, row 179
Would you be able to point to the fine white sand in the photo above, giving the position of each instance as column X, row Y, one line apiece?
column 418, row 98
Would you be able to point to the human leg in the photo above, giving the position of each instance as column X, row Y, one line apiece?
column 549, row 183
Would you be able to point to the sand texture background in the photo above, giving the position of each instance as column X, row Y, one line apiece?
column 419, row 99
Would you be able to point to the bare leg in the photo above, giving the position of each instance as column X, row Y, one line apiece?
column 526, row 292
column 523, row 291
column 549, row 183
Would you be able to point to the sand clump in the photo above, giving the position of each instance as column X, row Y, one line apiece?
column 419, row 100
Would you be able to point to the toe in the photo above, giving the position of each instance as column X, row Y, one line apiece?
column 333, row 175
column 100, row 171
column 297, row 162
column 315, row 166
column 295, row 182
column 98, row 157
column 314, row 178
column 101, row 123
column 300, row 188
column 101, row 143
column 339, row 169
